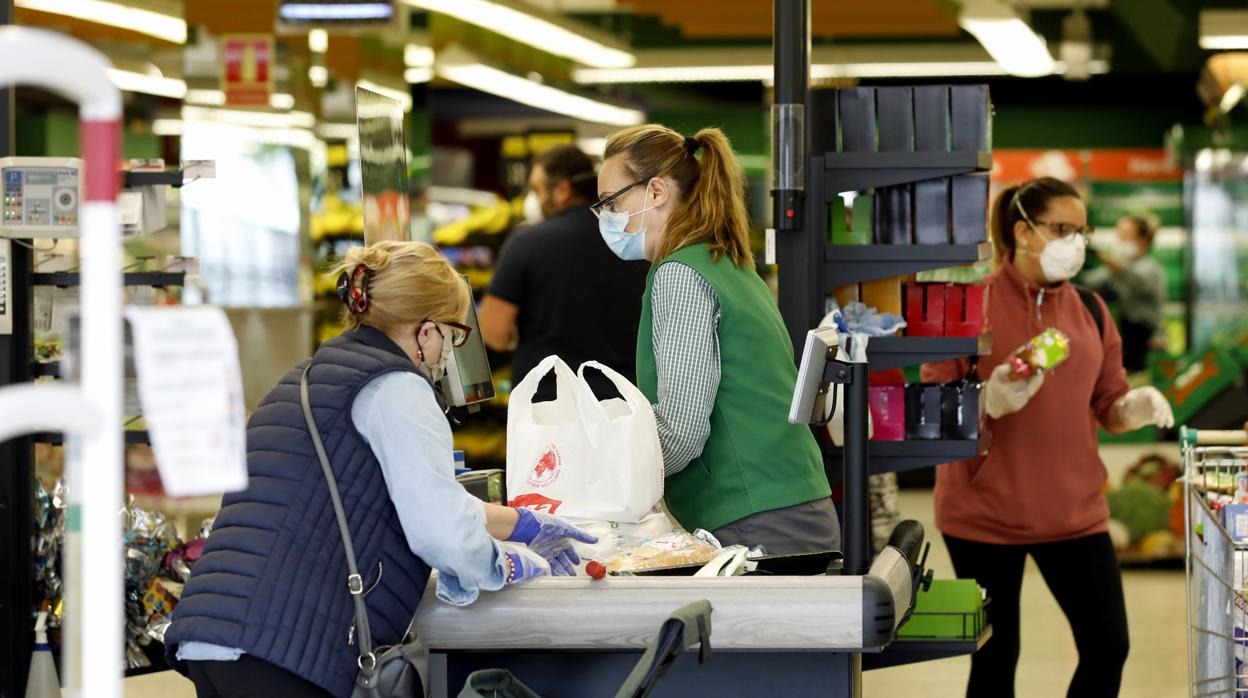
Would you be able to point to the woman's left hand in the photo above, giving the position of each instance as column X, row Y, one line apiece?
column 1143, row 407
column 551, row 537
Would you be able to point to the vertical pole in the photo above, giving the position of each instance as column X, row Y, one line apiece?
column 16, row 456
column 798, row 252
column 855, row 532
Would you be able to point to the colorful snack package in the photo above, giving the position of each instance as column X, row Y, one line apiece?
column 1044, row 352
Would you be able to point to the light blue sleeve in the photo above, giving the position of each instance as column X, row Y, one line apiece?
column 399, row 416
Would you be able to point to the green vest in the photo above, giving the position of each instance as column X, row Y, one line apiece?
column 754, row 460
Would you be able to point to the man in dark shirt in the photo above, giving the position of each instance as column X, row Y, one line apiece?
column 558, row 288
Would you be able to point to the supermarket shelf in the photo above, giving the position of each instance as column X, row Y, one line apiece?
column 900, row 456
column 851, row 264
column 131, row 436
column 67, row 279
column 906, row 651
column 866, row 170
column 898, row 352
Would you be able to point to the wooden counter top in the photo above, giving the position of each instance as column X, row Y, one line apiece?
column 820, row 613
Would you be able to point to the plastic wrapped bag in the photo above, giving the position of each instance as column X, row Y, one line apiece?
column 673, row 549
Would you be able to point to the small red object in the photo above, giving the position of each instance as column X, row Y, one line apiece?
column 925, row 310
column 595, row 569
column 789, row 213
column 964, row 309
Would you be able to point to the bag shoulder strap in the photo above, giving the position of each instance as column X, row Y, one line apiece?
column 1088, row 296
column 686, row 626
column 355, row 583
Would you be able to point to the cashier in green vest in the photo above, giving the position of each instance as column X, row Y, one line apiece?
column 713, row 354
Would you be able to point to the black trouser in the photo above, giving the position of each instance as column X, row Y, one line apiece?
column 249, row 678
column 1137, row 342
column 1084, row 578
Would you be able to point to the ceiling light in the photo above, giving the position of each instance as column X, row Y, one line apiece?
column 417, row 56
column 159, row 85
column 216, row 98
column 337, row 131
column 1007, row 38
column 254, row 119
column 593, row 146
column 318, row 75
column 114, row 14
column 403, row 97
column 503, row 84
column 1224, row 30
column 318, row 41
column 415, row 76
column 499, row 16
column 335, row 12
column 167, row 127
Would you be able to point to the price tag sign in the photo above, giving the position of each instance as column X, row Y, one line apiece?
column 191, row 390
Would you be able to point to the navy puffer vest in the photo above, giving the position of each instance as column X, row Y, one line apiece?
column 273, row 578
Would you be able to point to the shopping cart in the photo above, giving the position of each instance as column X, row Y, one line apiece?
column 1215, row 475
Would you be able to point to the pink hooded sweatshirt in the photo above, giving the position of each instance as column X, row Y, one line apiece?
column 1041, row 479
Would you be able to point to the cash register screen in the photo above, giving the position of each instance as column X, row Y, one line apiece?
column 468, row 379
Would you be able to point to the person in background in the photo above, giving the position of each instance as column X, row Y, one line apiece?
column 557, row 288
column 713, row 353
column 1038, row 488
column 267, row 610
column 1135, row 279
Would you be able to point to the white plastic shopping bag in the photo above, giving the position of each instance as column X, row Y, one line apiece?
column 580, row 457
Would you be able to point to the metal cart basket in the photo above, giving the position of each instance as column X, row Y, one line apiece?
column 1215, row 465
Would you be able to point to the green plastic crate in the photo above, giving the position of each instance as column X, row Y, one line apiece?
column 952, row 609
column 857, row 230
column 1199, row 378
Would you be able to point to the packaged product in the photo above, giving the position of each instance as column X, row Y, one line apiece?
column 1044, row 352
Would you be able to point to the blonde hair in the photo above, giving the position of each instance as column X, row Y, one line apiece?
column 409, row 282
column 711, row 188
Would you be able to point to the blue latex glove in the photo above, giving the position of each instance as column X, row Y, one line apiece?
column 551, row 537
column 526, row 563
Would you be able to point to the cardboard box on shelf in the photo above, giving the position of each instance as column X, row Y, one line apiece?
column 883, row 294
column 964, row 309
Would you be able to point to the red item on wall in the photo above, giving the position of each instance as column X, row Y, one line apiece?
column 888, row 412
column 964, row 309
column 925, row 310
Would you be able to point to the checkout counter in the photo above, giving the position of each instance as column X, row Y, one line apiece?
column 774, row 634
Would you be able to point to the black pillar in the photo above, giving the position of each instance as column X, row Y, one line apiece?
column 856, row 527
column 17, row 462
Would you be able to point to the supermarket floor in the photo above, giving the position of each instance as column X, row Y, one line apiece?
column 1155, row 609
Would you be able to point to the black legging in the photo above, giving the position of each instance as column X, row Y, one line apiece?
column 249, row 677
column 1084, row 578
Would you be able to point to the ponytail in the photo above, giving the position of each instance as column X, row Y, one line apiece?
column 711, row 189
column 1032, row 197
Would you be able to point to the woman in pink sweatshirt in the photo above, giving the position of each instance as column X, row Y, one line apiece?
column 1037, row 488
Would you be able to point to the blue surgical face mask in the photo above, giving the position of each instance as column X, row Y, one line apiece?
column 629, row 247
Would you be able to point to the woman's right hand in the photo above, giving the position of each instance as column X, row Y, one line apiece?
column 1006, row 393
column 523, row 564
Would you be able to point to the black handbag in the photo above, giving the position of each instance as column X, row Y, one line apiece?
column 395, row 671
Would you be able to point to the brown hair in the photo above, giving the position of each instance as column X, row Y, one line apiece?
column 567, row 162
column 408, row 282
column 1145, row 227
column 1033, row 197
column 711, row 189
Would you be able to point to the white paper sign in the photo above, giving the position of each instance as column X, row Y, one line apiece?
column 191, row 389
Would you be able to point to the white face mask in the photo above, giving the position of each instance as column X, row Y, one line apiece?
column 1061, row 259
column 437, row 371
column 533, row 208
column 1129, row 251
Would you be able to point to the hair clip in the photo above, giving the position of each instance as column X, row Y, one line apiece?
column 352, row 290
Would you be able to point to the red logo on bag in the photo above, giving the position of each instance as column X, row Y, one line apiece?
column 536, row 502
column 547, row 469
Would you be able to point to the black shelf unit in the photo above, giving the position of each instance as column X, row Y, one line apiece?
column 899, row 352
column 849, row 264
column 866, row 170
column 901, row 456
column 68, row 279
